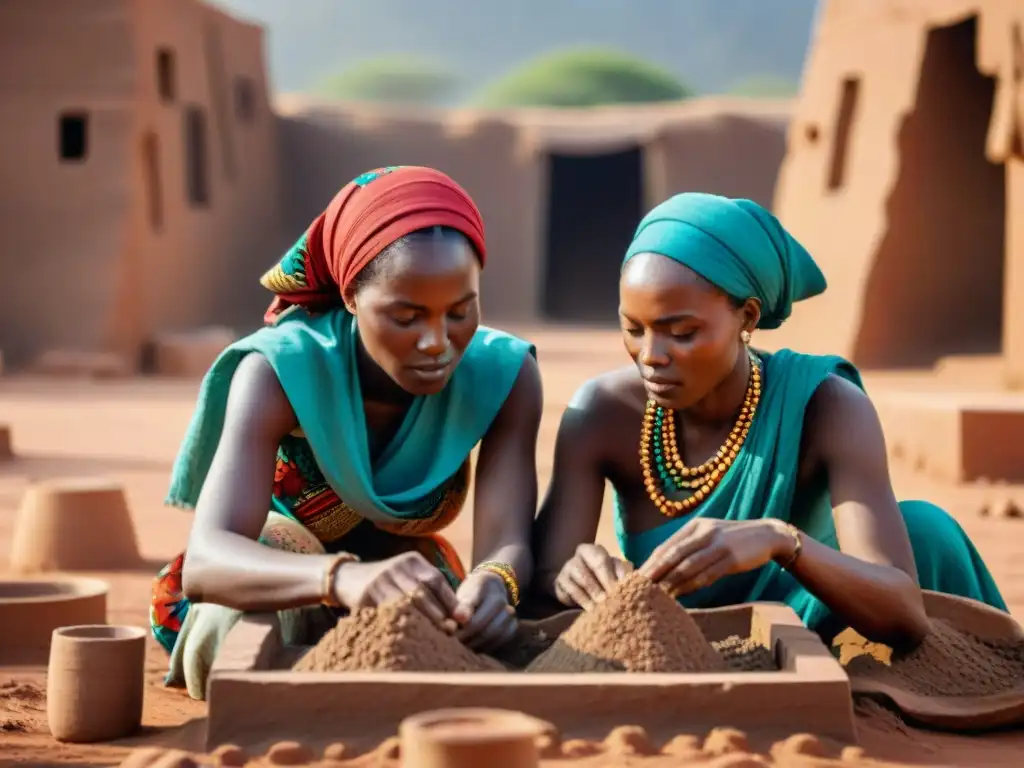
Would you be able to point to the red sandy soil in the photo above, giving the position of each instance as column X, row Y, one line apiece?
column 129, row 431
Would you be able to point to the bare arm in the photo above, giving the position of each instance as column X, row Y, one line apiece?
column 571, row 511
column 506, row 477
column 225, row 564
column 872, row 581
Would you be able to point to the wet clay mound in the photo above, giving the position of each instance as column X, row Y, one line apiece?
column 637, row 628
column 956, row 679
column 741, row 654
column 396, row 637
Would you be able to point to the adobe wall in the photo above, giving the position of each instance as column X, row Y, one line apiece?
column 63, row 225
column 501, row 158
column 324, row 148
column 899, row 287
column 728, row 153
column 204, row 221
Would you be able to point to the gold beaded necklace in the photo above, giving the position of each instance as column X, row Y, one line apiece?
column 663, row 468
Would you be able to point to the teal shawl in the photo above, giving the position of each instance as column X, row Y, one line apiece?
column 742, row 249
column 314, row 358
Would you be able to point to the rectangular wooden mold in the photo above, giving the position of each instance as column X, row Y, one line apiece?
column 252, row 690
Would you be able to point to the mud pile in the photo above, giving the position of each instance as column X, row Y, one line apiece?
column 20, row 704
column 636, row 628
column 396, row 637
column 950, row 662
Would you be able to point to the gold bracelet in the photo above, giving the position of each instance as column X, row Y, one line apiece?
column 798, row 545
column 507, row 574
column 328, row 595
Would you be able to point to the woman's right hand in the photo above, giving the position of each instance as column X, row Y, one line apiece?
column 360, row 585
column 588, row 576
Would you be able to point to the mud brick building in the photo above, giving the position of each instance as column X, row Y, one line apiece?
column 138, row 170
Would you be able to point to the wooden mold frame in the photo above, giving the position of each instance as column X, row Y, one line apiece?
column 254, row 694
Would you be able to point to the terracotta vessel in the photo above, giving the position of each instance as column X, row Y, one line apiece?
column 95, row 682
column 30, row 609
column 74, row 525
column 470, row 738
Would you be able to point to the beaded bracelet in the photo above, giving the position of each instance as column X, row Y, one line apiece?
column 507, row 574
column 798, row 545
column 327, row 592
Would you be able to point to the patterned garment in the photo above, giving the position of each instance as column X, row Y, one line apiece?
column 315, row 518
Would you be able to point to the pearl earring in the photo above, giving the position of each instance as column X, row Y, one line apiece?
column 745, row 336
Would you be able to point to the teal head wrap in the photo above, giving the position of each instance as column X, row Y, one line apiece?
column 737, row 246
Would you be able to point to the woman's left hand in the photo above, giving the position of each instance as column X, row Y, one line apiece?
column 705, row 550
column 486, row 620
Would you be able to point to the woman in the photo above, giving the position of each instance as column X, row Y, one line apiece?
column 740, row 475
column 352, row 418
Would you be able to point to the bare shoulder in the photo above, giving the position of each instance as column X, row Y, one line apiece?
column 257, row 404
column 840, row 417
column 524, row 405
column 601, row 404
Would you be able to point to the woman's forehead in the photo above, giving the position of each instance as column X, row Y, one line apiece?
column 423, row 257
column 654, row 274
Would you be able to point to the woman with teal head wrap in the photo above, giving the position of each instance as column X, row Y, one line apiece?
column 756, row 476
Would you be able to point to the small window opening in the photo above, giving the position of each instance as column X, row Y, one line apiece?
column 844, row 129
column 154, row 184
column 73, row 136
column 166, row 83
column 245, row 99
column 197, row 157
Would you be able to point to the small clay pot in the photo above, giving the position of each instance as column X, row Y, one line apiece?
column 470, row 738
column 95, row 682
column 74, row 524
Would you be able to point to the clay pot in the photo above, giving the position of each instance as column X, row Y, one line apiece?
column 470, row 738
column 36, row 607
column 74, row 525
column 95, row 682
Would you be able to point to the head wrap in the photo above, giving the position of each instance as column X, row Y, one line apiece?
column 737, row 246
column 367, row 215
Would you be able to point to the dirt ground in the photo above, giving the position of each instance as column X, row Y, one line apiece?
column 130, row 430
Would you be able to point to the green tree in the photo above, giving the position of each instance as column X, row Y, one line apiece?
column 396, row 79
column 765, row 86
column 583, row 77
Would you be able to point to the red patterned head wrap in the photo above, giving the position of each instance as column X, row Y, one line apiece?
column 366, row 216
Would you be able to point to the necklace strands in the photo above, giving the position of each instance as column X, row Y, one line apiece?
column 663, row 469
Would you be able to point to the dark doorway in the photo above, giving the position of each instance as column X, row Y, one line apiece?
column 936, row 285
column 594, row 205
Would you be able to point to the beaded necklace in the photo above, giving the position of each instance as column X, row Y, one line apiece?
column 663, row 468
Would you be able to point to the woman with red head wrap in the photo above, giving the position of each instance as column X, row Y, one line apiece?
column 352, row 417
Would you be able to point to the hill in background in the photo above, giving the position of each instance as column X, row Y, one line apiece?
column 714, row 45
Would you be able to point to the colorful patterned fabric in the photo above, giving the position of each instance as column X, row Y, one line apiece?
column 368, row 214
